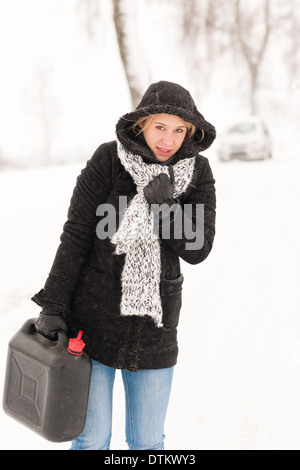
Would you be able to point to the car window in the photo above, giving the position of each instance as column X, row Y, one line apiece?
column 242, row 128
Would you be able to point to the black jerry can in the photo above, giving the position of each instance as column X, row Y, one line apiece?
column 47, row 383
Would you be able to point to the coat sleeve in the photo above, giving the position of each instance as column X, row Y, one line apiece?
column 91, row 190
column 192, row 229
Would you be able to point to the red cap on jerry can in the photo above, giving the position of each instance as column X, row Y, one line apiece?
column 76, row 345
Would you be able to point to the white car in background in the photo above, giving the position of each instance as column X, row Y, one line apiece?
column 247, row 139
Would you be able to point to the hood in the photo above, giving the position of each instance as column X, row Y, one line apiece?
column 166, row 98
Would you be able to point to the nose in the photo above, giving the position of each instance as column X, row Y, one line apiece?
column 168, row 139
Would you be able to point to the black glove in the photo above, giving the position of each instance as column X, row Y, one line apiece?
column 160, row 190
column 48, row 324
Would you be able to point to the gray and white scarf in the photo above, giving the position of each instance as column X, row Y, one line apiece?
column 135, row 237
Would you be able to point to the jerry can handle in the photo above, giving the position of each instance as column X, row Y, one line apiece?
column 74, row 346
column 62, row 340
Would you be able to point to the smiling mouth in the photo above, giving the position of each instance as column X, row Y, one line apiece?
column 164, row 151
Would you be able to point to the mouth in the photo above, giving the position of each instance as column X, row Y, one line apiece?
column 163, row 151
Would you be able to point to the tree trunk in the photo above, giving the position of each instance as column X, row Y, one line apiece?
column 253, row 61
column 119, row 23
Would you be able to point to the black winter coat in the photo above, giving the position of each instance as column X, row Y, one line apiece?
column 84, row 283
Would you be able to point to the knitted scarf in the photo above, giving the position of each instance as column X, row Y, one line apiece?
column 135, row 237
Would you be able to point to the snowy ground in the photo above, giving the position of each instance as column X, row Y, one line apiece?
column 237, row 382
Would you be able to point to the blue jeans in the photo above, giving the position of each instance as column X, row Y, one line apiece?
column 147, row 395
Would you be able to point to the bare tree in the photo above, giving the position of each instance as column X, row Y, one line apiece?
column 91, row 10
column 191, row 27
column 192, row 36
column 205, row 30
column 253, row 57
column 293, row 28
column 92, row 14
column 120, row 22
column 40, row 99
column 190, row 19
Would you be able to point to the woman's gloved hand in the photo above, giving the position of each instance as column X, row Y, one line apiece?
column 48, row 324
column 160, row 190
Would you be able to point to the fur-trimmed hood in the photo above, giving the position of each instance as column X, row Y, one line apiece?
column 166, row 98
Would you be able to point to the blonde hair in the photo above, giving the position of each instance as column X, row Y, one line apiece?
column 141, row 124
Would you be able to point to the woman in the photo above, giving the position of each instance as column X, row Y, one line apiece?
column 124, row 290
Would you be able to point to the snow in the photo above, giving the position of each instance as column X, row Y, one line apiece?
column 236, row 384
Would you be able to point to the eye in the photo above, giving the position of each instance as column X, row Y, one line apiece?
column 160, row 128
column 179, row 131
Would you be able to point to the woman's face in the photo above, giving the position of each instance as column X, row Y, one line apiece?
column 164, row 135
